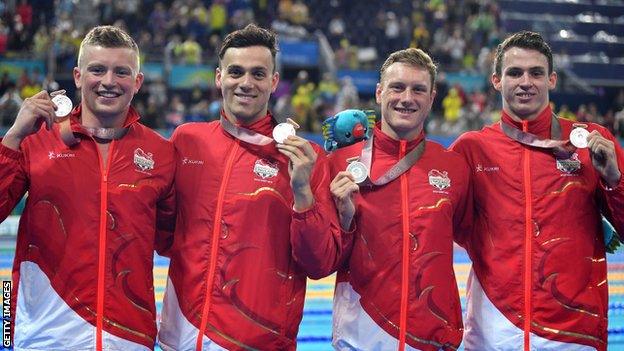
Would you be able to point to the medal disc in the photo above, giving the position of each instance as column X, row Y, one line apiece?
column 578, row 137
column 282, row 131
column 358, row 171
column 63, row 105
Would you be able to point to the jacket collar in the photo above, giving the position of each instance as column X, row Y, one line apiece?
column 540, row 126
column 392, row 146
column 131, row 118
column 262, row 126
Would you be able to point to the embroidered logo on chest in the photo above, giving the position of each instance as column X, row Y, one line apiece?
column 265, row 169
column 570, row 165
column 54, row 155
column 439, row 179
column 143, row 161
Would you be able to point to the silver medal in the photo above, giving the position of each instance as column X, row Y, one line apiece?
column 63, row 105
column 282, row 131
column 578, row 137
column 358, row 170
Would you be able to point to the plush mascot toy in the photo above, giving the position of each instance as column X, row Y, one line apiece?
column 347, row 127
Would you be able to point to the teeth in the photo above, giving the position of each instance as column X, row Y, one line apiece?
column 108, row 94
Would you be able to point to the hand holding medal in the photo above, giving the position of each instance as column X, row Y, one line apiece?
column 35, row 111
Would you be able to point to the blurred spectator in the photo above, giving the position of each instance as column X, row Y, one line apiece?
column 218, row 17
column 10, row 103
column 564, row 112
column 189, row 51
column 452, row 104
column 347, row 95
column 175, row 112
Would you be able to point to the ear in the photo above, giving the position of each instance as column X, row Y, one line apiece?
column 496, row 82
column 77, row 74
column 138, row 82
column 552, row 80
column 433, row 95
column 378, row 91
column 274, row 81
column 218, row 78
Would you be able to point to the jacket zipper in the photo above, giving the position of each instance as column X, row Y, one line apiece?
column 215, row 244
column 405, row 252
column 528, row 240
column 102, row 243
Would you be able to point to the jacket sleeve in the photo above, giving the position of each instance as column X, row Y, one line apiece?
column 612, row 200
column 166, row 209
column 13, row 180
column 315, row 234
column 464, row 212
column 165, row 222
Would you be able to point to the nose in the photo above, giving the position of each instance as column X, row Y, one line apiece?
column 525, row 80
column 108, row 79
column 246, row 82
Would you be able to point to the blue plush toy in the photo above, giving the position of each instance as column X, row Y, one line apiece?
column 347, row 127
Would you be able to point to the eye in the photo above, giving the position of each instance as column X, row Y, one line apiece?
column 348, row 134
column 96, row 70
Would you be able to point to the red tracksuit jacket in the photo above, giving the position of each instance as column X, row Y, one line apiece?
column 84, row 255
column 400, row 265
column 537, row 248
column 234, row 272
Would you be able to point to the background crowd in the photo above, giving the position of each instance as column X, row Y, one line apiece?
column 459, row 34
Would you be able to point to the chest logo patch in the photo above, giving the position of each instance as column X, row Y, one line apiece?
column 143, row 160
column 570, row 165
column 439, row 179
column 265, row 169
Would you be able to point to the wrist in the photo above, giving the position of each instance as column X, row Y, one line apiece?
column 613, row 181
column 12, row 141
column 303, row 199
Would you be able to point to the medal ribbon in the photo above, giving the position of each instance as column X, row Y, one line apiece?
column 395, row 171
column 244, row 134
column 101, row 135
column 561, row 148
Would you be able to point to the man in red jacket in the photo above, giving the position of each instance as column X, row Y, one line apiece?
column 100, row 194
column 539, row 276
column 237, row 277
column 397, row 289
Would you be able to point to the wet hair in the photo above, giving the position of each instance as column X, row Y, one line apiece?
column 108, row 37
column 413, row 57
column 251, row 35
column 525, row 40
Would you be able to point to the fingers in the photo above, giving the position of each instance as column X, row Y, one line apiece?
column 298, row 150
column 39, row 106
column 343, row 185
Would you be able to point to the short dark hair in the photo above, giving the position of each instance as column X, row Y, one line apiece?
column 251, row 35
column 413, row 57
column 525, row 40
column 108, row 37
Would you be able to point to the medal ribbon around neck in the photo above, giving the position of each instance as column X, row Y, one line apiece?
column 395, row 171
column 561, row 148
column 101, row 135
column 244, row 134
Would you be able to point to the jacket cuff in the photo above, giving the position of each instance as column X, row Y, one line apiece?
column 619, row 186
column 303, row 214
column 7, row 152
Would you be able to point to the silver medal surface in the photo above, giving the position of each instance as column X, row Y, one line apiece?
column 63, row 105
column 358, row 171
column 282, row 131
column 578, row 137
